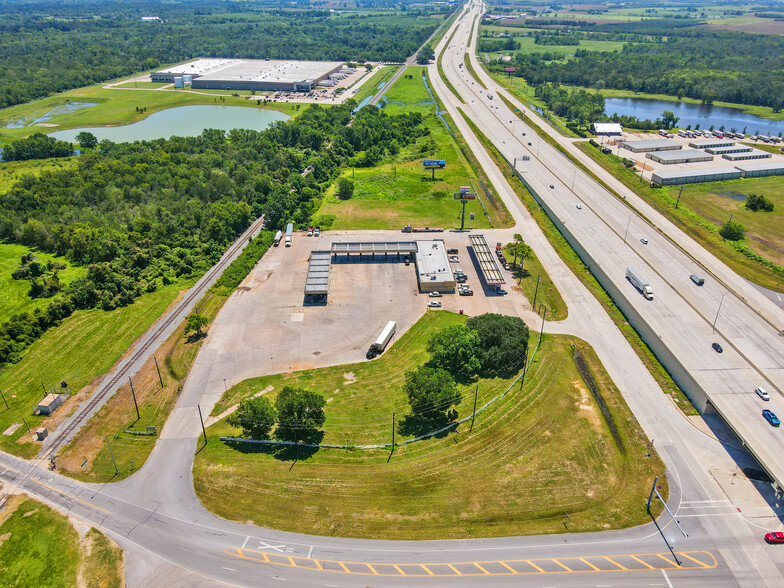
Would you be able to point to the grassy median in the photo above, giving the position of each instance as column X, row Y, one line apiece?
column 533, row 456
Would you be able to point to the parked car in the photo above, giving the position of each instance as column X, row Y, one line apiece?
column 452, row 251
column 775, row 537
column 435, row 295
column 310, row 231
column 317, row 232
column 466, row 292
column 434, row 304
column 771, row 417
column 454, row 259
column 762, row 393
column 717, row 348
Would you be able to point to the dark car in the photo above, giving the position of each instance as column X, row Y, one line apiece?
column 775, row 537
column 552, row 187
column 771, row 417
column 370, row 354
column 452, row 251
column 717, row 348
column 466, row 292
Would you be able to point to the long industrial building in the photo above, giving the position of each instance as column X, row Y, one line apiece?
column 650, row 145
column 251, row 74
column 752, row 154
column 672, row 178
column 679, row 156
column 758, row 170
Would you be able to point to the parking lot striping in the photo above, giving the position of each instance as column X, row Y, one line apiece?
column 71, row 496
column 697, row 560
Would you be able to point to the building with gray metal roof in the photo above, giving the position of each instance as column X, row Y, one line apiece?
column 679, row 156
column 751, row 154
column 487, row 261
column 433, row 270
column 375, row 248
column 651, row 145
column 317, row 280
column 705, row 143
column 731, row 149
column 758, row 170
column 716, row 174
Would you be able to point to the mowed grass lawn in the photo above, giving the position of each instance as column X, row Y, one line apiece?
column 399, row 191
column 13, row 171
column 533, row 456
column 14, row 292
column 39, row 547
column 83, row 347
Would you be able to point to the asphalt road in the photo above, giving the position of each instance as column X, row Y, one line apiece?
column 156, row 516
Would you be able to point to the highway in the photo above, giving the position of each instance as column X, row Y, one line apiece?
column 680, row 319
column 171, row 539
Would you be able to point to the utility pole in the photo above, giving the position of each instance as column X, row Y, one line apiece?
column 679, row 197
column 133, row 393
column 574, row 177
column 203, row 430
column 525, row 367
column 116, row 471
column 160, row 379
column 650, row 496
column 393, row 430
column 718, row 311
column 541, row 332
column 627, row 228
column 4, row 400
column 536, row 292
column 26, row 425
column 44, row 387
column 473, row 417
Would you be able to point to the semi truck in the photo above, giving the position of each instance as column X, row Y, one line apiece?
column 410, row 229
column 383, row 339
column 289, row 233
column 644, row 288
column 278, row 237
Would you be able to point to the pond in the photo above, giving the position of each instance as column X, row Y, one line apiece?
column 694, row 114
column 182, row 121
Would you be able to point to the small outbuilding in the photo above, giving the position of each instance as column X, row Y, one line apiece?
column 50, row 403
column 607, row 129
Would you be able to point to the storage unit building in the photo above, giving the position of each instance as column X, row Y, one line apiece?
column 732, row 149
column 651, row 145
column 680, row 156
column 753, row 154
column 759, row 170
column 696, row 176
column 705, row 143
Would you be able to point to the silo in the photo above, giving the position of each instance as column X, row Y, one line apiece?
column 178, row 82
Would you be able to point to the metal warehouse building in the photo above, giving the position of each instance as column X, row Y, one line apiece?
column 752, row 154
column 682, row 156
column 705, row 143
column 433, row 270
column 733, row 149
column 251, row 74
column 716, row 174
column 758, row 170
column 650, row 145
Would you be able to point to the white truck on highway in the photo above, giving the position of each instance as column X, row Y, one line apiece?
column 289, row 233
column 644, row 288
column 382, row 341
column 278, row 237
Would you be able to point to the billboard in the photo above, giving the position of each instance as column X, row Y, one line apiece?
column 465, row 196
column 439, row 163
column 509, row 69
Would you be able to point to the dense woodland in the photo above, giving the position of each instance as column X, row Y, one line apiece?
column 699, row 63
column 48, row 47
column 140, row 215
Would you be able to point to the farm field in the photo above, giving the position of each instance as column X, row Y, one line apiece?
column 550, row 437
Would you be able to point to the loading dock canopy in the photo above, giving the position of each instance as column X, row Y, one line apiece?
column 487, row 262
column 317, row 281
column 385, row 247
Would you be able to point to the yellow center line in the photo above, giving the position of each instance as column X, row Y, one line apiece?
column 615, row 563
column 344, row 567
column 646, row 564
column 585, row 561
column 318, row 564
column 528, row 561
column 90, row 504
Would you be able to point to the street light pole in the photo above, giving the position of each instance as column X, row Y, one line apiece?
column 627, row 228
column 718, row 311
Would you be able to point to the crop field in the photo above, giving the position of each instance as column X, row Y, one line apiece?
column 399, row 191
column 14, row 292
column 549, row 438
column 82, row 348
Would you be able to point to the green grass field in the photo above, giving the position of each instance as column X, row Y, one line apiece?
column 537, row 285
column 114, row 107
column 703, row 209
column 12, row 171
column 370, row 86
column 548, row 439
column 39, row 547
column 83, row 347
column 399, row 191
column 145, row 85
column 14, row 292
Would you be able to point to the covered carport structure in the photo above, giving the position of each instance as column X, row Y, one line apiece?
column 317, row 280
column 385, row 248
column 491, row 273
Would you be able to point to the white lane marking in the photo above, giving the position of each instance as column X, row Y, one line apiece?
column 310, row 551
column 230, row 569
column 244, row 543
column 264, row 545
column 666, row 577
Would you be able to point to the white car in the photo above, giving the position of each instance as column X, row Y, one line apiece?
column 644, row 241
column 434, row 304
column 435, row 295
column 762, row 393
column 579, row 206
column 454, row 259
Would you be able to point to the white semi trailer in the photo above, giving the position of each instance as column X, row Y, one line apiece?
column 383, row 340
column 644, row 288
column 278, row 237
column 289, row 233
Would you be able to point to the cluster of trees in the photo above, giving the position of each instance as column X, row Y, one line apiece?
column 757, row 202
column 49, row 46
column 486, row 45
column 732, row 231
column 44, row 277
column 704, row 64
column 488, row 345
column 575, row 105
column 296, row 416
column 37, row 146
column 557, row 39
column 140, row 215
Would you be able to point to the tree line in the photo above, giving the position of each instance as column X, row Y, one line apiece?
column 141, row 215
column 48, row 47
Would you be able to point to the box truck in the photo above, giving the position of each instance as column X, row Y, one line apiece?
column 644, row 288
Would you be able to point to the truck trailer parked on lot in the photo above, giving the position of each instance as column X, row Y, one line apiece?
column 383, row 340
column 289, row 233
column 644, row 288
column 278, row 237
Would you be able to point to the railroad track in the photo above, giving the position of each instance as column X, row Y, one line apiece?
column 151, row 340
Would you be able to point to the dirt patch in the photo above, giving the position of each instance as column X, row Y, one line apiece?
column 587, row 408
column 4, row 538
column 587, row 376
column 29, row 513
column 773, row 27
column 350, row 378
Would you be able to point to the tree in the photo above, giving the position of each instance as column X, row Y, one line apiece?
column 456, row 350
column 503, row 341
column 255, row 416
column 669, row 119
column 300, row 413
column 732, row 231
column 87, row 140
column 195, row 324
column 425, row 55
column 345, row 188
column 759, row 202
column 431, row 391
